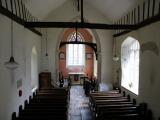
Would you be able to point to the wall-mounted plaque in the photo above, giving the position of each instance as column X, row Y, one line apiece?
column 89, row 56
column 61, row 55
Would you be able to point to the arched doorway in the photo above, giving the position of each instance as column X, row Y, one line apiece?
column 34, row 69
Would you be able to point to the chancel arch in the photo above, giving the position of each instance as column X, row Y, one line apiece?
column 76, row 60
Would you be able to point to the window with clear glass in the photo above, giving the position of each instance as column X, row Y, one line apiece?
column 130, row 52
column 75, row 52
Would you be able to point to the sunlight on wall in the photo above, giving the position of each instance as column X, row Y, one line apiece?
column 130, row 64
column 34, row 69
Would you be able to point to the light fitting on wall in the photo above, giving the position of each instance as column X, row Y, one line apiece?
column 11, row 64
column 46, row 43
column 115, row 57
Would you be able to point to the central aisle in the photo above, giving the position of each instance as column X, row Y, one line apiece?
column 78, row 105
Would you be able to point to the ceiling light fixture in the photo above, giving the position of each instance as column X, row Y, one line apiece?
column 46, row 42
column 11, row 64
column 76, row 33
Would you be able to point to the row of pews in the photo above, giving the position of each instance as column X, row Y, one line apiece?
column 46, row 104
column 113, row 105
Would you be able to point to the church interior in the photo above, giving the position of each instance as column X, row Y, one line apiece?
column 79, row 59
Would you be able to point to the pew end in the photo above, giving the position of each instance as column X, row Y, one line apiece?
column 124, row 93
column 129, row 97
column 34, row 94
column 25, row 103
column 30, row 99
column 134, row 101
column 149, row 115
column 14, row 116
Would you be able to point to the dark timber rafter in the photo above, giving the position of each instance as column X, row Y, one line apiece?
column 17, row 13
column 17, row 19
column 78, row 8
column 79, row 25
column 146, row 10
column 82, row 18
column 132, row 21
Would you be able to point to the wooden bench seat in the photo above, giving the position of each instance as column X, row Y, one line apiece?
column 92, row 100
column 50, row 97
column 99, row 109
column 53, row 90
column 119, row 117
column 115, row 106
column 103, row 102
column 45, row 110
column 42, row 113
column 94, row 106
column 46, row 107
column 112, row 91
column 107, row 96
column 42, row 118
column 48, row 100
column 46, row 104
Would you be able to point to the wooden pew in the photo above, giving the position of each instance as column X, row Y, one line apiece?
column 112, row 91
column 42, row 118
column 102, row 97
column 100, row 108
column 120, row 110
column 42, row 112
column 110, row 102
column 115, row 106
column 46, row 104
column 120, row 117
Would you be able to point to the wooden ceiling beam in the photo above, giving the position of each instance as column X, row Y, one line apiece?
column 78, row 5
column 78, row 25
column 82, row 18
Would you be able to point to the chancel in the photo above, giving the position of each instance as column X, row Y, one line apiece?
column 79, row 59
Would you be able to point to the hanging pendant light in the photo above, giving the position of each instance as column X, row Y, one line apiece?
column 115, row 57
column 11, row 64
column 46, row 42
column 76, row 35
column 76, row 32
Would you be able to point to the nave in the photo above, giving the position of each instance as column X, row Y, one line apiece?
column 115, row 43
column 56, row 103
column 78, row 104
column 74, row 104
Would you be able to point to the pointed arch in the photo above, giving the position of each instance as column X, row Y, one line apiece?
column 96, row 40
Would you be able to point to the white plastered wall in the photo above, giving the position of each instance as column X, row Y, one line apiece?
column 66, row 13
column 10, row 82
column 149, row 67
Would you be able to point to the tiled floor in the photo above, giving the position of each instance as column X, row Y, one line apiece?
column 78, row 106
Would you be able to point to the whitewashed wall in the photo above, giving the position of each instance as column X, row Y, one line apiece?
column 24, row 40
column 67, row 12
column 149, row 67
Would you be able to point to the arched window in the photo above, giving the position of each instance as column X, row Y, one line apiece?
column 75, row 52
column 34, row 69
column 130, row 51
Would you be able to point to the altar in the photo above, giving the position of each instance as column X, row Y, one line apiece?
column 75, row 77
